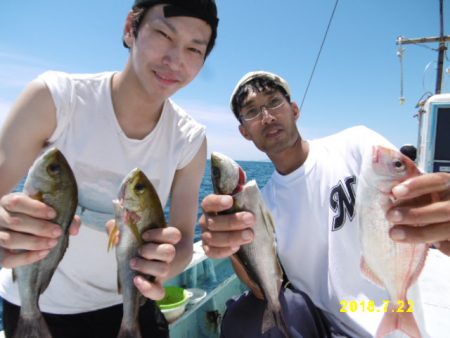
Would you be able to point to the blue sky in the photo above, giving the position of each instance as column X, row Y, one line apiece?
column 357, row 80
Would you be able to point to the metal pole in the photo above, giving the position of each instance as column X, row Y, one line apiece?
column 442, row 48
column 405, row 41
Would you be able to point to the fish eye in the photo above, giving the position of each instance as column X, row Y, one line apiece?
column 139, row 188
column 54, row 169
column 398, row 164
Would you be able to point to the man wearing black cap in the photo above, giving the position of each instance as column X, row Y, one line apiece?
column 105, row 125
column 312, row 198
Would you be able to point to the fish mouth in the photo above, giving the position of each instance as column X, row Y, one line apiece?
column 130, row 216
column 215, row 159
column 226, row 174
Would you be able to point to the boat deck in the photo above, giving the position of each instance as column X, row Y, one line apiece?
column 434, row 285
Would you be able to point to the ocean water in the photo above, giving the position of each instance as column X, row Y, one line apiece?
column 259, row 171
column 255, row 170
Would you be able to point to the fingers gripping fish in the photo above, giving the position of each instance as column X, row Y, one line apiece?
column 391, row 265
column 137, row 210
column 51, row 181
column 259, row 257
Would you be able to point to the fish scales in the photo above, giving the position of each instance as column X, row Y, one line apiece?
column 137, row 210
column 391, row 265
column 259, row 257
column 51, row 181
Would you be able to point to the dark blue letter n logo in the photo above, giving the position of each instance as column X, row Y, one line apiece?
column 342, row 202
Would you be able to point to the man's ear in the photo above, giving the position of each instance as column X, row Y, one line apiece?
column 243, row 131
column 128, row 31
column 296, row 110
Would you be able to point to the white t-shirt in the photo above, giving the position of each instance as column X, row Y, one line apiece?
column 100, row 154
column 317, row 231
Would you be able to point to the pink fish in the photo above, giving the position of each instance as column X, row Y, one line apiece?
column 391, row 265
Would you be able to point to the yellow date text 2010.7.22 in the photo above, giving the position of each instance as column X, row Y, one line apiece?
column 370, row 306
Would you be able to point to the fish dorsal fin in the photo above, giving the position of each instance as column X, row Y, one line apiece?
column 369, row 274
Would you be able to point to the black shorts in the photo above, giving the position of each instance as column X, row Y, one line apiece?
column 103, row 323
column 243, row 317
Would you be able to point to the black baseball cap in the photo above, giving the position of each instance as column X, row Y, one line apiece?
column 205, row 10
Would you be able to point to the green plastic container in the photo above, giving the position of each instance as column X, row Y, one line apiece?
column 175, row 296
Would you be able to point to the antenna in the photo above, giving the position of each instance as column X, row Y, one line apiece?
column 442, row 39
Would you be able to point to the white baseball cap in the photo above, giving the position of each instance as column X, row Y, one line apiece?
column 259, row 73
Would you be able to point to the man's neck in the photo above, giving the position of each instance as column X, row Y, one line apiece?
column 291, row 158
column 136, row 112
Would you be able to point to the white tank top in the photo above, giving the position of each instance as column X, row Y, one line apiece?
column 100, row 154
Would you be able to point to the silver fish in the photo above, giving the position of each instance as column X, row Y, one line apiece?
column 259, row 257
column 137, row 209
column 391, row 265
column 51, row 181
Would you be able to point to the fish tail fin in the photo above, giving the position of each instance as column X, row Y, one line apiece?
column 274, row 318
column 34, row 327
column 281, row 324
column 401, row 321
column 268, row 320
column 129, row 332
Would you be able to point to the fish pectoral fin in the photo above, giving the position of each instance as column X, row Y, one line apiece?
column 134, row 229
column 115, row 231
column 369, row 274
column 113, row 236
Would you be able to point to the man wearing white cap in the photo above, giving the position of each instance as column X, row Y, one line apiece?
column 312, row 198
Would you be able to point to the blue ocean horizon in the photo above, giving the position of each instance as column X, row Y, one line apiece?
column 260, row 171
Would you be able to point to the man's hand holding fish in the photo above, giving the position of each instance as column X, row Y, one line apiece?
column 435, row 216
column 313, row 196
column 156, row 256
column 222, row 235
column 25, row 224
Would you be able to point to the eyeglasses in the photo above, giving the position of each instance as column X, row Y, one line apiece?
column 271, row 106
